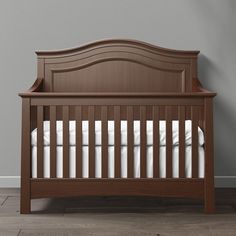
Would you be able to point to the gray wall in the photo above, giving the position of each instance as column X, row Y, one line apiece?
column 209, row 25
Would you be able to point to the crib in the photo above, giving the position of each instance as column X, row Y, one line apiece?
column 117, row 118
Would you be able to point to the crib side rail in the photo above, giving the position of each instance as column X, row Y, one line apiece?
column 104, row 109
column 38, row 109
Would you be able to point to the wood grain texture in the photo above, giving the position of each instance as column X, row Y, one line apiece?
column 53, row 144
column 65, row 114
column 168, row 142
column 194, row 118
column 104, row 142
column 130, row 141
column 156, row 141
column 117, row 187
column 117, row 111
column 143, row 142
column 78, row 118
column 181, row 113
column 119, row 101
column 189, row 95
column 164, row 70
column 40, row 141
column 91, row 111
column 117, row 80
column 209, row 158
column 25, row 203
column 113, row 216
column 37, row 86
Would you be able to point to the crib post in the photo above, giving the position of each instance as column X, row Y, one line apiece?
column 25, row 202
column 209, row 199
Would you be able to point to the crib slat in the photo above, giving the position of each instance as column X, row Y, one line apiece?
column 181, row 114
column 156, row 141
column 143, row 142
column 104, row 142
column 168, row 142
column 40, row 144
column 53, row 144
column 130, row 129
column 91, row 118
column 78, row 118
column 65, row 117
column 194, row 118
column 117, row 142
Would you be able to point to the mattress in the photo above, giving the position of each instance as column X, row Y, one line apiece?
column 85, row 159
column 111, row 133
column 98, row 129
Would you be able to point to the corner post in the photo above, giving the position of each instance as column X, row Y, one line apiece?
column 209, row 196
column 25, row 202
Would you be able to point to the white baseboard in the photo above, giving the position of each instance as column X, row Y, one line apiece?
column 9, row 181
column 220, row 181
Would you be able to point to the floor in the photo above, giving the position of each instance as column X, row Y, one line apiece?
column 120, row 216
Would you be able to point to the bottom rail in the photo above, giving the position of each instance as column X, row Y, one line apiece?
column 182, row 187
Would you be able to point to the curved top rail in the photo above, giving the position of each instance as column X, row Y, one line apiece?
column 128, row 42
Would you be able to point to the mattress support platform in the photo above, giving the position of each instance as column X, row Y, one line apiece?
column 181, row 187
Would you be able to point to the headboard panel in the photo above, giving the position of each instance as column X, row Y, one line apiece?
column 118, row 66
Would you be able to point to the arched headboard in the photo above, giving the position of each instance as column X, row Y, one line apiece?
column 117, row 65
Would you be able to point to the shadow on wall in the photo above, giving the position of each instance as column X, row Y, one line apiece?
column 224, row 117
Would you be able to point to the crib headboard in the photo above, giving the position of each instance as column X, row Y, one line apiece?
column 117, row 65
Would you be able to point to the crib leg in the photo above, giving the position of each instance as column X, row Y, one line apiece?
column 25, row 158
column 209, row 189
column 25, row 204
column 209, row 201
column 25, row 199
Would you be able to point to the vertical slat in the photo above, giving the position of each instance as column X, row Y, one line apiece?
column 117, row 142
column 201, row 118
column 25, row 158
column 209, row 156
column 78, row 118
column 194, row 118
column 156, row 141
column 130, row 141
column 40, row 142
column 181, row 114
column 53, row 144
column 143, row 142
column 104, row 142
column 168, row 142
column 65, row 141
column 91, row 111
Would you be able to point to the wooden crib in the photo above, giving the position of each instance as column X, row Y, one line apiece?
column 117, row 80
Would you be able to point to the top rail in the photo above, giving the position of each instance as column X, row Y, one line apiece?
column 115, row 94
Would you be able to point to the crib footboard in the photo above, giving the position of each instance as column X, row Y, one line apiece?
column 154, row 181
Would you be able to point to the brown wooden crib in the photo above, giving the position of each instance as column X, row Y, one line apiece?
column 117, row 117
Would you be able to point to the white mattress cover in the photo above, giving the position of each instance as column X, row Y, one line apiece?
column 98, row 139
column 162, row 162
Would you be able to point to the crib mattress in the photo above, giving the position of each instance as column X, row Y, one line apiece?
column 85, row 159
column 98, row 128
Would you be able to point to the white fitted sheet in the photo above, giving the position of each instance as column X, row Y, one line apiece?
column 162, row 163
column 98, row 140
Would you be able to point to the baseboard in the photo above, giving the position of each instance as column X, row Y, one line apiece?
column 220, row 181
column 225, row 181
column 9, row 181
